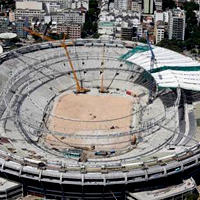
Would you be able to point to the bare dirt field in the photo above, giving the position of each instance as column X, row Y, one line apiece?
column 90, row 108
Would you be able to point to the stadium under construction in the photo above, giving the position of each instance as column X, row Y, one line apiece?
column 99, row 123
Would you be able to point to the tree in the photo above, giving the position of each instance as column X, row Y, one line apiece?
column 191, row 19
column 96, row 35
column 192, row 196
column 143, row 40
column 194, row 51
column 171, row 44
column 37, row 38
column 91, row 18
column 190, row 6
column 192, row 31
column 8, row 3
column 168, row 4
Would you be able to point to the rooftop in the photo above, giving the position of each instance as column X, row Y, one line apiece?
column 5, row 184
column 106, row 24
column 187, row 185
column 31, row 5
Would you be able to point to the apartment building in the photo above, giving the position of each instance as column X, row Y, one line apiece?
column 176, row 26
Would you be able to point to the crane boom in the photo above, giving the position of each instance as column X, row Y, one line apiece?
column 79, row 89
column 153, row 62
column 44, row 37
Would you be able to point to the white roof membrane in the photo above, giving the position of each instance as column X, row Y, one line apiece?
column 166, row 60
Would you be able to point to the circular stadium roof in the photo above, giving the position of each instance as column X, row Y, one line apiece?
column 7, row 36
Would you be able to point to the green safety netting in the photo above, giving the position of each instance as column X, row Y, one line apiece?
column 147, row 75
column 178, row 68
column 144, row 73
column 137, row 49
column 130, row 64
column 163, row 87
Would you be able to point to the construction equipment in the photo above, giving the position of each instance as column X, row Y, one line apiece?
column 101, row 153
column 152, row 64
column 131, row 93
column 102, row 89
column 133, row 140
column 153, row 58
column 83, row 157
column 79, row 89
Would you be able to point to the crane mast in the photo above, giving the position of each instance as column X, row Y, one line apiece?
column 153, row 58
column 102, row 89
column 153, row 62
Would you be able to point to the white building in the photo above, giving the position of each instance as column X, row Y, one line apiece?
column 106, row 28
column 166, row 17
column 68, row 17
column 158, row 16
column 78, row 4
column 29, row 5
column 136, row 5
column 11, row 16
column 161, row 16
column 159, row 31
column 65, row 4
column 140, row 31
column 148, row 6
column 176, row 26
column 52, row 7
column 121, row 4
column 29, row 9
column 158, row 4
column 111, row 22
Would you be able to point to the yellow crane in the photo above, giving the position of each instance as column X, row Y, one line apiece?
column 102, row 89
column 79, row 89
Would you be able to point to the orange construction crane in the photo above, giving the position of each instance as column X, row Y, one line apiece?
column 102, row 89
column 79, row 89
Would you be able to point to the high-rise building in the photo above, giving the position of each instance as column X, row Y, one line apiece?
column 148, row 6
column 20, row 24
column 126, row 33
column 66, row 4
column 159, row 31
column 158, row 4
column 78, row 4
column 69, row 17
column 176, row 26
column 73, row 31
column 121, row 4
column 136, row 5
column 158, row 16
column 3, row 24
column 11, row 16
column 29, row 9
